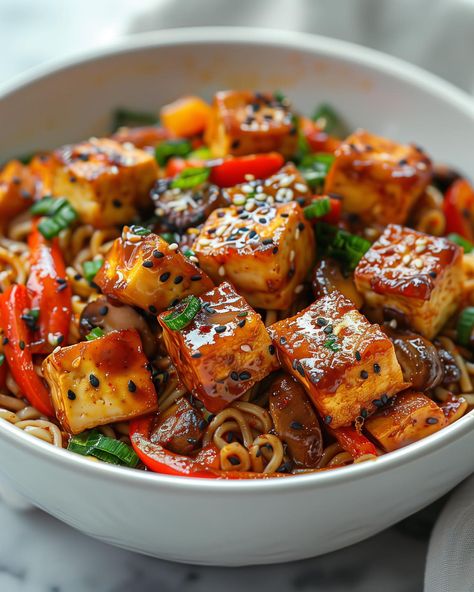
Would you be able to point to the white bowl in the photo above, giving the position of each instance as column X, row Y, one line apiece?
column 232, row 522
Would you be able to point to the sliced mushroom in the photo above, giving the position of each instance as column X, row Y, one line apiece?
column 112, row 317
column 180, row 428
column 295, row 421
column 179, row 209
column 328, row 277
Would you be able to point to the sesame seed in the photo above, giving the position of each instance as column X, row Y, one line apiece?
column 296, row 425
column 158, row 254
column 246, row 348
column 191, row 441
column 321, row 322
column 238, row 199
column 94, row 380
column 377, row 403
column 282, row 340
column 165, row 276
column 358, row 356
column 252, row 233
column 249, row 177
column 432, row 274
column 299, row 368
column 267, row 241
column 178, row 279
column 328, row 330
column 364, row 413
column 71, row 395
column 241, row 323
column 196, row 278
column 5, row 341
column 364, row 374
column 234, row 375
column 202, row 425
column 301, row 188
column 61, row 280
column 173, row 246
column 275, row 250
column 196, row 355
column 221, row 271
column 431, row 420
column 152, row 309
column 220, row 328
column 132, row 387
column 244, row 375
column 418, row 263
column 21, row 344
column 147, row 264
column 384, row 399
column 406, row 259
column 61, row 287
column 103, row 310
column 327, row 419
column 271, row 349
column 419, row 249
column 117, row 203
column 377, row 368
column 299, row 289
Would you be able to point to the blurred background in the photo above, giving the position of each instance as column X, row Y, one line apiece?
column 435, row 34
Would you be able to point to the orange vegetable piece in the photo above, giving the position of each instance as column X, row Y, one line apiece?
column 187, row 116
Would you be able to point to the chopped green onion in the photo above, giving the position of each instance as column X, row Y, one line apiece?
column 95, row 334
column 189, row 253
column 140, row 230
column 95, row 444
column 2, row 359
column 315, row 167
column 202, row 153
column 180, row 319
column 461, row 241
column 169, row 237
column 59, row 215
column 330, row 121
column 91, row 268
column 279, row 96
column 43, row 206
column 189, row 178
column 465, row 326
column 318, row 208
column 340, row 244
column 165, row 150
column 129, row 118
column 331, row 344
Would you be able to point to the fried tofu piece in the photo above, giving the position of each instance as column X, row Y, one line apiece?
column 101, row 381
column 380, row 180
column 17, row 190
column 266, row 253
column 105, row 181
column 409, row 417
column 142, row 269
column 245, row 122
column 286, row 185
column 344, row 362
column 224, row 351
column 413, row 276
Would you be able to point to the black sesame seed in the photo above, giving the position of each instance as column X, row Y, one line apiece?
column 301, row 226
column 284, row 215
column 267, row 241
column 21, row 344
column 431, row 420
column 377, row 403
column 241, row 323
column 196, row 278
column 234, row 375
column 282, row 340
column 364, row 413
column 296, row 425
column 403, row 161
column 262, row 220
column 252, row 233
column 196, row 355
column 103, row 310
column 158, row 254
column 59, row 339
column 271, row 349
column 384, row 399
column 71, row 395
column 5, row 341
column 244, row 375
column 132, row 387
column 220, row 214
column 327, row 419
column 358, row 356
column 235, row 144
column 202, row 425
column 432, row 274
column 321, row 322
column 61, row 287
column 299, row 368
column 328, row 330
column 234, row 460
column 61, row 281
column 165, row 276
column 94, row 380
column 220, row 329
column 77, row 277
column 275, row 250
column 147, row 264
column 377, row 368
column 178, row 279
column 229, row 437
column 117, row 203
column 72, row 179
column 152, row 309
column 364, row 374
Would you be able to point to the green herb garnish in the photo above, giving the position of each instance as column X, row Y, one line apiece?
column 318, row 208
column 315, row 167
column 341, row 245
column 140, row 230
column 190, row 178
column 95, row 444
column 332, row 344
column 58, row 214
column 95, row 334
column 465, row 326
column 461, row 241
column 91, row 268
column 180, row 319
column 166, row 150
column 330, row 121
column 2, row 359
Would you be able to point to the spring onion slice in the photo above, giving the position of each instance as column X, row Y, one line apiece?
column 318, row 208
column 180, row 319
column 190, row 178
column 170, row 237
column 330, row 121
column 91, row 268
column 166, row 150
column 95, row 334
column 58, row 214
column 95, row 444
column 140, row 230
column 2, row 359
column 315, row 167
column 461, row 241
column 340, row 244
column 128, row 118
column 465, row 325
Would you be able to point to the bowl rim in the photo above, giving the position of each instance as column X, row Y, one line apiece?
column 326, row 47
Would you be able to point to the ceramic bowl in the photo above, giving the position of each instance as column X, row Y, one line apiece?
column 231, row 522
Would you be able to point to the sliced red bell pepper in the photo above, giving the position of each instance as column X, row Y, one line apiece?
column 458, row 207
column 234, row 170
column 17, row 338
column 176, row 164
column 353, row 442
column 49, row 291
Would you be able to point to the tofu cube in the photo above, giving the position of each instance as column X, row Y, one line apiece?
column 380, row 180
column 344, row 362
column 409, row 417
column 413, row 276
column 101, row 381
column 143, row 270
column 17, row 190
column 224, row 351
column 266, row 253
column 286, row 185
column 105, row 181
column 245, row 122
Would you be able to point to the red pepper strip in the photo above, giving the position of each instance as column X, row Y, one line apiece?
column 176, row 164
column 160, row 460
column 334, row 214
column 458, row 207
column 48, row 290
column 353, row 442
column 318, row 140
column 13, row 304
column 234, row 170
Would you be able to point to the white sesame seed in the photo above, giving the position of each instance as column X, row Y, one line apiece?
column 259, row 189
column 284, row 194
column 220, row 231
column 406, row 259
column 247, row 188
column 418, row 263
column 173, row 246
column 238, row 199
column 301, row 188
column 249, row 177
column 221, row 271
column 204, row 241
column 245, row 348
column 292, row 256
column 393, row 323
column 419, row 248
column 250, row 205
column 286, row 180
column 299, row 289
column 194, row 259
column 56, row 349
column 297, row 234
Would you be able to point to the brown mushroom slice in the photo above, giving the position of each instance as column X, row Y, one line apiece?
column 180, row 428
column 295, row 421
column 114, row 317
column 328, row 278
column 419, row 359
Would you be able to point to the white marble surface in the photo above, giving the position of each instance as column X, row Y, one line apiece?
column 38, row 553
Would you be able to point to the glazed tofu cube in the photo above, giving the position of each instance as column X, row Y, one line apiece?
column 409, row 417
column 142, row 269
column 286, row 185
column 413, row 276
column 17, row 189
column 266, row 253
column 223, row 352
column 97, row 382
column 380, row 180
column 105, row 181
column 244, row 122
column 344, row 362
